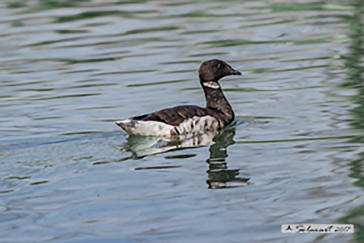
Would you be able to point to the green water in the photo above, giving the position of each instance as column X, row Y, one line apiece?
column 353, row 62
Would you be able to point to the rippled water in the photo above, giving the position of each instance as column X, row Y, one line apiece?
column 69, row 69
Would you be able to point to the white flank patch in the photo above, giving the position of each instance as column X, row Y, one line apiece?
column 145, row 128
column 211, row 84
column 198, row 124
column 154, row 128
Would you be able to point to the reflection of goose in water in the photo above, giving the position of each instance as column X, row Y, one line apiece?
column 141, row 146
column 218, row 172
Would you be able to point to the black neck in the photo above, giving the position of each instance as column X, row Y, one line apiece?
column 215, row 99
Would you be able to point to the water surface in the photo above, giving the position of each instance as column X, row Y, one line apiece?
column 71, row 68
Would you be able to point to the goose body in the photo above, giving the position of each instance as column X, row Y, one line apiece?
column 189, row 119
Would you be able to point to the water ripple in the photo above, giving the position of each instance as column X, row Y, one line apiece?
column 71, row 68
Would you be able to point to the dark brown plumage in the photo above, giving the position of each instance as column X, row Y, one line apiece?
column 217, row 107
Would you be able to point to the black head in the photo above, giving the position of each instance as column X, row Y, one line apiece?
column 215, row 69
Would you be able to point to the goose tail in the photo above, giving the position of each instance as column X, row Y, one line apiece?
column 127, row 125
column 145, row 128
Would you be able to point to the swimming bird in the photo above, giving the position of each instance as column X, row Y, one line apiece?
column 189, row 119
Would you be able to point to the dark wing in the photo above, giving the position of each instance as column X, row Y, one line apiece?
column 174, row 116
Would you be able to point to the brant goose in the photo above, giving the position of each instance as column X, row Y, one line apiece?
column 189, row 119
